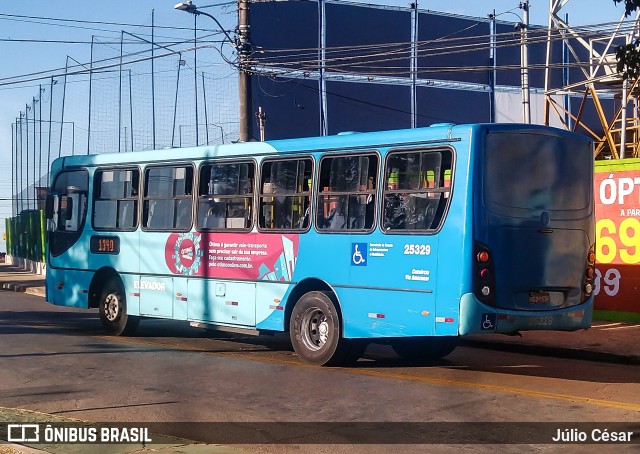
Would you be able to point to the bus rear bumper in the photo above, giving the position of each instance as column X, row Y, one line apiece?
column 478, row 318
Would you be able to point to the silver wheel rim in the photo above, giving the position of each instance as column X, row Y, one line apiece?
column 315, row 329
column 111, row 307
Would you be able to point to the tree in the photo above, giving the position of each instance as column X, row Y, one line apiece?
column 628, row 55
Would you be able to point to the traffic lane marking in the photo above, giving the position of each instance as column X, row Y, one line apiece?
column 620, row 327
column 251, row 355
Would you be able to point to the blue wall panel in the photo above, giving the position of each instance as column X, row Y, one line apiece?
column 287, row 31
column 367, row 107
column 291, row 106
column 450, row 43
column 437, row 105
column 350, row 26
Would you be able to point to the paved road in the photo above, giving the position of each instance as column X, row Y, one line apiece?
column 57, row 361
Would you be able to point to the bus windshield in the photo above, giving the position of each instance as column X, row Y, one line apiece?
column 536, row 172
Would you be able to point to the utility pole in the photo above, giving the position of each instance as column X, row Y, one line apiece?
column 14, row 166
column 244, row 79
column 414, row 64
column 492, row 63
column 195, row 70
column 26, row 187
column 524, row 59
column 35, row 190
column 49, row 146
column 90, row 80
column 39, row 140
column 19, row 188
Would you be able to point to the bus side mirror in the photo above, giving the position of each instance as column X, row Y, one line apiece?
column 49, row 206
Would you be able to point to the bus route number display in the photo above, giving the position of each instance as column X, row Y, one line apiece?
column 105, row 244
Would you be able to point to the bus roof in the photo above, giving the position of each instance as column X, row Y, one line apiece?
column 352, row 140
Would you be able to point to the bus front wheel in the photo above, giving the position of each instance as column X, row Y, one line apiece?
column 424, row 348
column 315, row 332
column 113, row 310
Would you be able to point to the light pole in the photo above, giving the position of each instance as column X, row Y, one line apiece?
column 524, row 49
column 522, row 25
column 242, row 45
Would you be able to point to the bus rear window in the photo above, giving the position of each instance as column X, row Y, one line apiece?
column 536, row 172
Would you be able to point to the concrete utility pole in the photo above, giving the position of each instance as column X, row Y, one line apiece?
column 246, row 117
column 524, row 58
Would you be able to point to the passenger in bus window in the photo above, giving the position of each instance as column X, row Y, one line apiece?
column 337, row 219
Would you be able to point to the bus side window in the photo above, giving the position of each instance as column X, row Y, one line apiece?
column 225, row 196
column 416, row 190
column 115, row 203
column 285, row 194
column 347, row 192
column 168, row 199
column 70, row 188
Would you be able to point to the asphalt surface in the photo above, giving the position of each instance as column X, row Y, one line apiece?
column 604, row 342
column 614, row 342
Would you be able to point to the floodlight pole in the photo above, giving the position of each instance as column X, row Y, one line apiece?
column 243, row 47
column 524, row 26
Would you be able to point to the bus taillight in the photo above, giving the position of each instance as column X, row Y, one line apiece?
column 590, row 271
column 483, row 276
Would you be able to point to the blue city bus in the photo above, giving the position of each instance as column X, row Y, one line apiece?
column 410, row 238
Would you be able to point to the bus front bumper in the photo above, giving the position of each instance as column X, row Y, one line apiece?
column 478, row 318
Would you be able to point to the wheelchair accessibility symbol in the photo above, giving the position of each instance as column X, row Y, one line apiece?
column 359, row 254
column 488, row 322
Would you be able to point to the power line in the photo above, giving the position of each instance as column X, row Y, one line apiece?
column 62, row 41
column 118, row 24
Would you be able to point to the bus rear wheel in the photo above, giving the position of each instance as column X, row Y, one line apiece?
column 113, row 310
column 424, row 348
column 315, row 330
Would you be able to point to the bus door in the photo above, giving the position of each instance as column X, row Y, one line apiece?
column 535, row 221
column 166, row 214
column 66, row 210
column 224, row 302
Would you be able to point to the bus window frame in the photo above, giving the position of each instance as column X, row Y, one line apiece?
column 144, row 198
column 259, row 194
column 139, row 211
column 254, row 202
column 384, row 191
column 376, row 192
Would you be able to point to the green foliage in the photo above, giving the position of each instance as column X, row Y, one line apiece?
column 628, row 56
column 629, row 6
column 628, row 59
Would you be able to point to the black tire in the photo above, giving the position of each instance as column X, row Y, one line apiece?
column 424, row 348
column 113, row 310
column 315, row 332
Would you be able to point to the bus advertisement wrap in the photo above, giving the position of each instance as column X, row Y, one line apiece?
column 617, row 283
column 232, row 255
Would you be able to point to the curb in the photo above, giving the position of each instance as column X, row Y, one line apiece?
column 555, row 352
column 16, row 287
column 10, row 448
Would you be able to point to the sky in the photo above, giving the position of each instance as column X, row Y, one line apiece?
column 19, row 58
